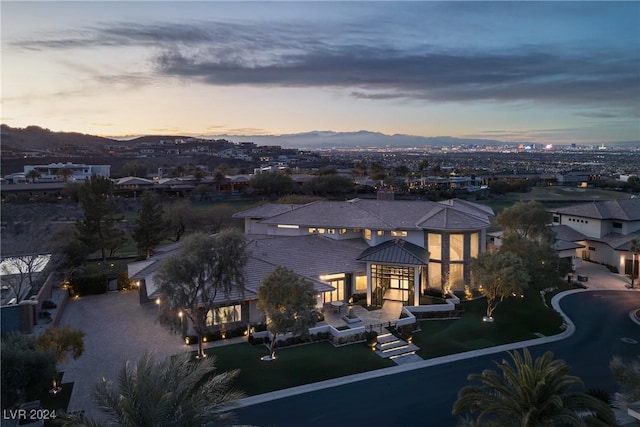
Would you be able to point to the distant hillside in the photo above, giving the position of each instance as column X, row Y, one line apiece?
column 35, row 138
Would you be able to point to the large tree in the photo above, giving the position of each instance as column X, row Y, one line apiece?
column 61, row 342
column 288, row 301
column 176, row 391
column 97, row 230
column 531, row 393
column 151, row 227
column 25, row 370
column 526, row 219
column 202, row 275
column 540, row 259
column 272, row 184
column 498, row 275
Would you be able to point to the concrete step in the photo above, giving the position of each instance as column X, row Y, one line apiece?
column 398, row 350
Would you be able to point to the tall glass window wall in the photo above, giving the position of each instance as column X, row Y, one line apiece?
column 397, row 278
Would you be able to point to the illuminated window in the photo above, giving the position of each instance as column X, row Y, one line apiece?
column 321, row 230
column 398, row 233
column 356, row 230
column 361, row 283
column 331, row 231
column 343, row 231
column 435, row 246
column 475, row 244
column 367, row 234
column 287, row 226
column 227, row 314
column 380, row 233
column 456, row 245
column 312, row 230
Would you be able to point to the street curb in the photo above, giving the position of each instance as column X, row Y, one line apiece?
column 293, row 391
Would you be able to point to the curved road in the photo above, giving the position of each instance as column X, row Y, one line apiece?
column 424, row 397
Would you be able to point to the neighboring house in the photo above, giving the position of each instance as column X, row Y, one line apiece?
column 77, row 172
column 386, row 250
column 607, row 228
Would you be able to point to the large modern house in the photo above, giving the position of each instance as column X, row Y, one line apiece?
column 378, row 249
column 601, row 231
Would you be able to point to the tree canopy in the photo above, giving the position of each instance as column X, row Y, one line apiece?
column 540, row 260
column 498, row 275
column 526, row 219
column 288, row 301
column 97, row 230
column 61, row 342
column 176, row 391
column 531, row 393
column 272, row 184
column 151, row 228
column 202, row 274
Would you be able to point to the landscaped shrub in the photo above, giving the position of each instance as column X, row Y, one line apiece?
column 49, row 305
column 123, row 281
column 90, row 285
column 371, row 337
column 406, row 332
column 260, row 327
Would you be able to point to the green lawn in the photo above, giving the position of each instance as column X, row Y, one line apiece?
column 516, row 319
column 294, row 366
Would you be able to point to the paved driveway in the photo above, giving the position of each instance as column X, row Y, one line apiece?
column 117, row 329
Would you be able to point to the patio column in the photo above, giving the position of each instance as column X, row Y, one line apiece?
column 369, row 283
column 416, row 285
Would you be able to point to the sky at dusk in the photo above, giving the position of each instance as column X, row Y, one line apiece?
column 553, row 72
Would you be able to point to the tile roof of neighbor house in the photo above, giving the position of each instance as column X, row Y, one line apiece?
column 396, row 252
column 619, row 242
column 566, row 233
column 386, row 215
column 133, row 180
column 622, row 209
column 266, row 211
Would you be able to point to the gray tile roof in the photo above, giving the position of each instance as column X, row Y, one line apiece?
column 308, row 256
column 396, row 252
column 386, row 215
column 266, row 211
column 566, row 233
column 623, row 209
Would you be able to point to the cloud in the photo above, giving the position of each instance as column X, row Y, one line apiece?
column 371, row 67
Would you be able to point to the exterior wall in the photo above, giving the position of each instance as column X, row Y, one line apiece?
column 274, row 230
column 413, row 236
column 254, row 314
column 252, row 226
column 587, row 226
column 599, row 252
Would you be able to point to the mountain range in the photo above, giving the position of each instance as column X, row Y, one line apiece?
column 37, row 138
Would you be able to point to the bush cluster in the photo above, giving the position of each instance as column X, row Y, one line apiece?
column 89, row 285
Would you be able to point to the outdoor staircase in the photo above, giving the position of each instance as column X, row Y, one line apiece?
column 391, row 347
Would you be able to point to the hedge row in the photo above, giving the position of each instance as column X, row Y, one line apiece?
column 90, row 285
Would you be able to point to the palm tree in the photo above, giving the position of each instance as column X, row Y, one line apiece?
column 531, row 393
column 177, row 391
column 32, row 175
